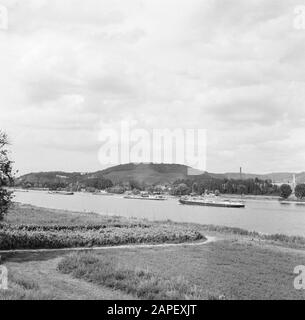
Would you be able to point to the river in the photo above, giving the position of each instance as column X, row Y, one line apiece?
column 259, row 215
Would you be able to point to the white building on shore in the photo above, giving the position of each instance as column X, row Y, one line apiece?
column 292, row 184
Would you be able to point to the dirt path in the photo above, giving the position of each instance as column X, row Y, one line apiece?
column 132, row 246
column 61, row 286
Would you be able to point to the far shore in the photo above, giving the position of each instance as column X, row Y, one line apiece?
column 264, row 197
column 225, row 195
column 253, row 197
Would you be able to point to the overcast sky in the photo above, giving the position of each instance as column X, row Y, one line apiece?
column 234, row 67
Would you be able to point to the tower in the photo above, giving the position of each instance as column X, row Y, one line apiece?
column 241, row 173
column 294, row 183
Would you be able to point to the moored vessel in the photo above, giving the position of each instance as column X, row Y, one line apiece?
column 64, row 193
column 211, row 202
column 102, row 193
column 145, row 196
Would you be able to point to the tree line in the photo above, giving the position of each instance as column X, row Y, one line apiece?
column 199, row 185
column 230, row 186
column 58, row 184
column 286, row 191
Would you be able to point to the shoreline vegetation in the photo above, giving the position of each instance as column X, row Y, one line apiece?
column 53, row 229
column 239, row 265
column 228, row 196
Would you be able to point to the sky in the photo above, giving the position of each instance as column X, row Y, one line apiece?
column 70, row 68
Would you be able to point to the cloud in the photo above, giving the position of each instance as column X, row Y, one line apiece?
column 232, row 67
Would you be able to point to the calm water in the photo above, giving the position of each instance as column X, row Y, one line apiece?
column 262, row 216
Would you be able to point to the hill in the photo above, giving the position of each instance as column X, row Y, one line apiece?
column 147, row 173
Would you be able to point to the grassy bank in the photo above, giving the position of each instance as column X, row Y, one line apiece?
column 24, row 214
column 240, row 265
column 106, row 271
column 233, row 268
column 278, row 238
column 25, row 228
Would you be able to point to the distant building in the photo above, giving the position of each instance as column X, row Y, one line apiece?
column 292, row 183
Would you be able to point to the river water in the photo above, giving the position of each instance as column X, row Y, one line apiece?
column 259, row 215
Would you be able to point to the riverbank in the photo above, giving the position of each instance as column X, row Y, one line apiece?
column 292, row 200
column 251, row 197
column 239, row 265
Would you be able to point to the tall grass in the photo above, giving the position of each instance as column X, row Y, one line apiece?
column 140, row 283
column 278, row 238
column 37, row 237
column 21, row 289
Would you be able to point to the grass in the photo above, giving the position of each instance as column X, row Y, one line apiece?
column 28, row 227
column 35, row 276
column 141, row 283
column 23, row 214
column 236, row 268
column 279, row 239
column 289, row 241
column 21, row 289
column 11, row 239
